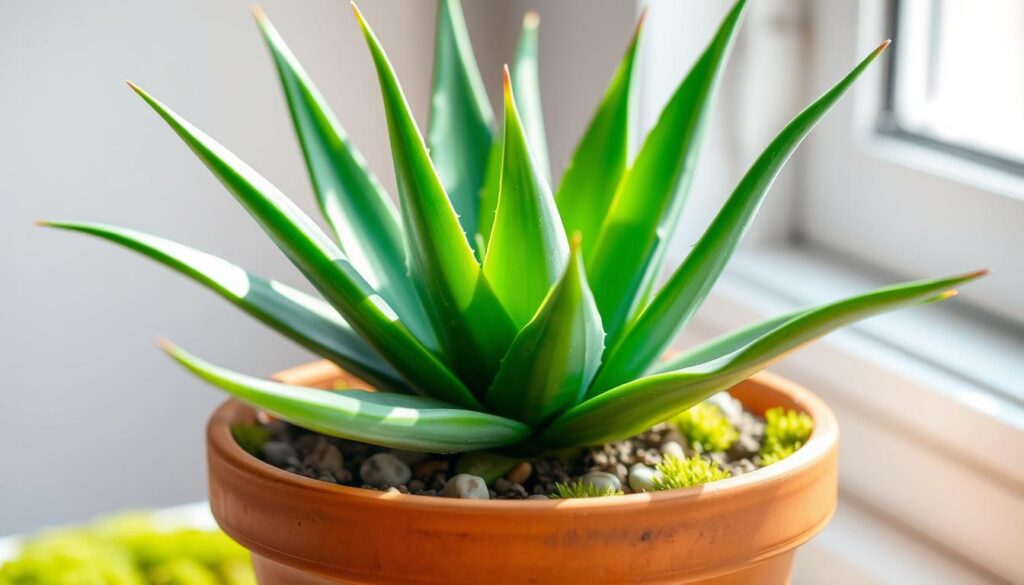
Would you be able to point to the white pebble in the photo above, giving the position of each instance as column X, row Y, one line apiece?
column 384, row 469
column 673, row 449
column 730, row 407
column 466, row 486
column 602, row 480
column 641, row 478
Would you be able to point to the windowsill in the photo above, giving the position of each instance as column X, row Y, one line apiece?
column 929, row 442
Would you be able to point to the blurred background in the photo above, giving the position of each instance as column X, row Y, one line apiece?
column 919, row 173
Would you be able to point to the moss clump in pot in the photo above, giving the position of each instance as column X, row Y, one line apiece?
column 499, row 308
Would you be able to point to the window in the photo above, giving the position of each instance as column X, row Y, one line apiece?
column 917, row 173
column 957, row 78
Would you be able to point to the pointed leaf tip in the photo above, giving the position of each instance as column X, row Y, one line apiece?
column 359, row 14
column 506, row 79
column 576, row 242
column 531, row 19
column 883, row 46
column 257, row 12
column 169, row 347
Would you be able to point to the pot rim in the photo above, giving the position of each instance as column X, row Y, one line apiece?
column 822, row 439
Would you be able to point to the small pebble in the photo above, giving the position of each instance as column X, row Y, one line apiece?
column 277, row 453
column 641, row 478
column 466, row 486
column 538, row 497
column 384, row 469
column 730, row 407
column 326, row 457
column 521, row 473
column 673, row 449
column 602, row 480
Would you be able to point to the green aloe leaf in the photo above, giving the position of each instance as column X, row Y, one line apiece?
column 527, row 251
column 654, row 329
column 460, row 132
column 303, row 318
column 395, row 421
column 637, row 405
column 655, row 188
column 324, row 264
column 354, row 203
column 475, row 329
column 526, row 88
column 600, row 160
column 556, row 355
column 722, row 345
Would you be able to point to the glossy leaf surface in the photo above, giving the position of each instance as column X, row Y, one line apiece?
column 396, row 421
column 360, row 213
column 527, row 251
column 305, row 319
column 657, row 325
column 324, row 264
column 474, row 328
column 655, row 187
column 461, row 119
column 639, row 404
column 554, row 358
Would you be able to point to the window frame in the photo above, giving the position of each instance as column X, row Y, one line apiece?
column 801, row 47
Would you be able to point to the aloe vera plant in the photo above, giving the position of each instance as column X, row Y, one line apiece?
column 491, row 308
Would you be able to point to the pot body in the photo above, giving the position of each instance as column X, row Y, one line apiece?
column 741, row 530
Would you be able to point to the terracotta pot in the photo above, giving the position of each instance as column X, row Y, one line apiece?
column 739, row 530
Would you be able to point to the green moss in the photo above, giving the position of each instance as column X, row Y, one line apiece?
column 785, row 431
column 129, row 550
column 674, row 473
column 706, row 427
column 582, row 490
column 250, row 437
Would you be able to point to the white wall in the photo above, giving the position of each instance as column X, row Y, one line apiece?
column 94, row 418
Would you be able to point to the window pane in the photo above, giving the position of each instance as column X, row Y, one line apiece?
column 959, row 73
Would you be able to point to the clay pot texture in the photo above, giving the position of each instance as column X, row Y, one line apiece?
column 741, row 530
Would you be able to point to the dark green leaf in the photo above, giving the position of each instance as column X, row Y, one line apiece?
column 654, row 329
column 395, row 421
column 554, row 358
column 324, row 264
column 655, row 187
column 353, row 202
column 474, row 328
column 460, row 115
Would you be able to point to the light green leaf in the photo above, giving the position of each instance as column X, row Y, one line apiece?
column 647, row 337
column 352, row 200
column 394, row 421
column 474, row 328
column 654, row 189
column 527, row 251
column 460, row 115
column 722, row 345
column 554, row 358
column 526, row 88
column 596, row 167
column 324, row 264
column 305, row 319
column 637, row 405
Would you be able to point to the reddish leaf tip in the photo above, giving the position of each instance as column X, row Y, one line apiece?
column 507, row 79
column 41, row 223
column 167, row 345
column 883, row 46
column 531, row 19
column 258, row 13
column 977, row 273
